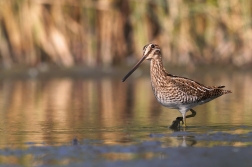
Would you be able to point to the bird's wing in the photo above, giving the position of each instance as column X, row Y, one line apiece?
column 193, row 90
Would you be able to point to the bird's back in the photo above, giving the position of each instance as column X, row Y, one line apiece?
column 178, row 91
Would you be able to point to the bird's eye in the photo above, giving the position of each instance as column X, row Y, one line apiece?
column 152, row 46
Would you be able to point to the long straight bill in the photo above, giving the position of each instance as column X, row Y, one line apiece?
column 134, row 68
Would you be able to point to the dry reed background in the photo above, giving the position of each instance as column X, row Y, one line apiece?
column 107, row 32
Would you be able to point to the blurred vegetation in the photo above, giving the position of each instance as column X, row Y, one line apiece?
column 109, row 32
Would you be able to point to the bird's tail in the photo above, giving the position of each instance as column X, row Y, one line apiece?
column 224, row 91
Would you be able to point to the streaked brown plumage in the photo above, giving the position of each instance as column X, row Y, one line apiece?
column 174, row 91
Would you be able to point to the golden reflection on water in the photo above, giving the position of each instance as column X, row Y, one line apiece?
column 57, row 110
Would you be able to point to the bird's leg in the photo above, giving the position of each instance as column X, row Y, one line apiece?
column 193, row 113
column 181, row 119
column 184, row 119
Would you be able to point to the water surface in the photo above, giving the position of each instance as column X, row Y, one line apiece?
column 107, row 112
column 57, row 110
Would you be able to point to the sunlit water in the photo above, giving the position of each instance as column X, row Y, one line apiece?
column 106, row 111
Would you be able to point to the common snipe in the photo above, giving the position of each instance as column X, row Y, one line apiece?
column 174, row 91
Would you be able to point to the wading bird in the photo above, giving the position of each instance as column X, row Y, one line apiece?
column 173, row 91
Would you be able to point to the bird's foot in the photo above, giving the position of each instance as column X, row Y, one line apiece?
column 176, row 123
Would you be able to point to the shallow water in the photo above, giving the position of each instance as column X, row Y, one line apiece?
column 106, row 112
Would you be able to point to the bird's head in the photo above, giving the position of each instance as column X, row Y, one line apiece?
column 150, row 51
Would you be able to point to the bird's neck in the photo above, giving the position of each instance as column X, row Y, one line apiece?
column 157, row 72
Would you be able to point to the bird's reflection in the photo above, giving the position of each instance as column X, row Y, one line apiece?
column 186, row 141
